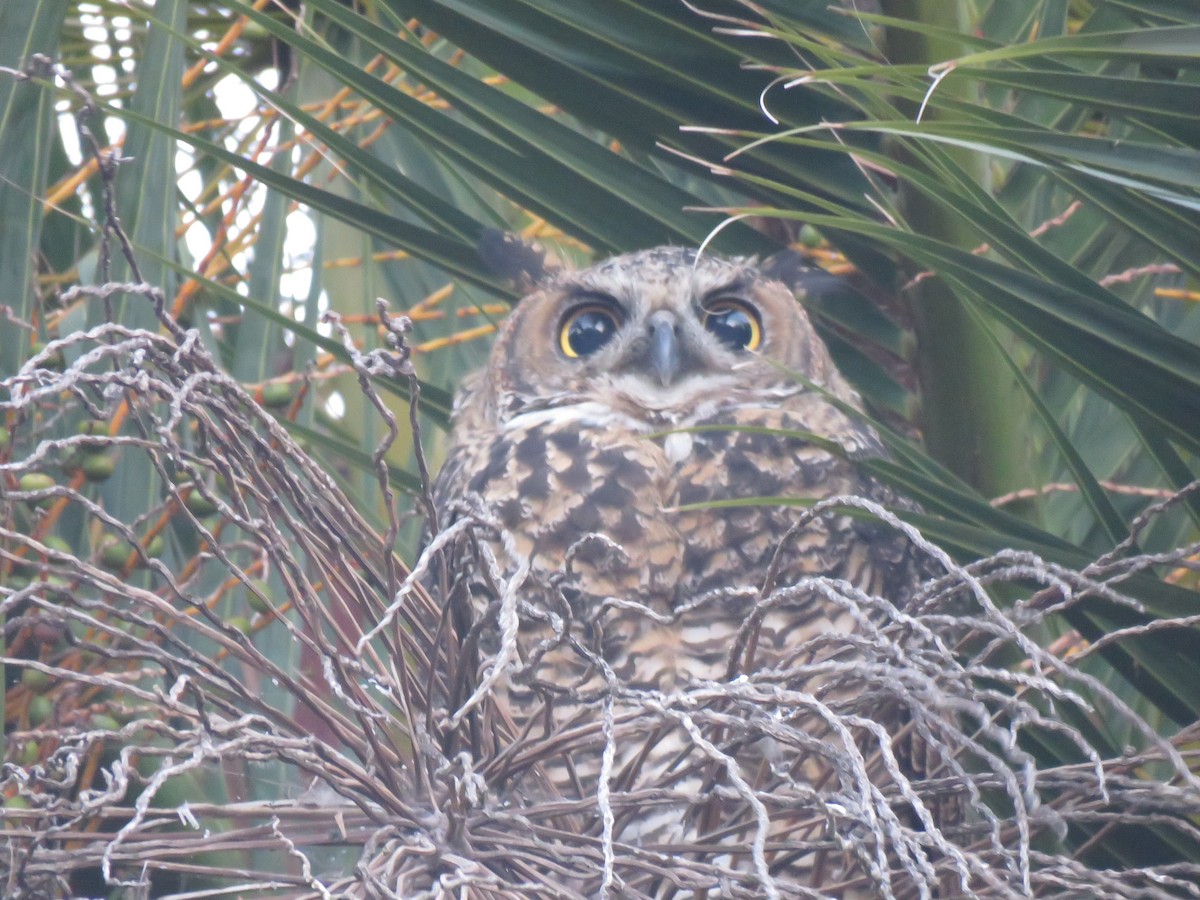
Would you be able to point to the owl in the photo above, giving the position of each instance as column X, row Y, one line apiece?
column 635, row 453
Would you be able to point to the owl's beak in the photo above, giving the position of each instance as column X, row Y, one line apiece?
column 665, row 350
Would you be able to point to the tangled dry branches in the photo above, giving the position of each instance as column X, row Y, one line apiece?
column 309, row 749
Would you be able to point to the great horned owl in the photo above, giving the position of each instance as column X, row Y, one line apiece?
column 618, row 445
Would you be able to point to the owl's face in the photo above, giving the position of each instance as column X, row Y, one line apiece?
column 654, row 335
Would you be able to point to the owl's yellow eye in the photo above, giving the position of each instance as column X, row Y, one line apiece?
column 586, row 329
column 734, row 323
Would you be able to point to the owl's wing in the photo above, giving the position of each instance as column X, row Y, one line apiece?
column 753, row 454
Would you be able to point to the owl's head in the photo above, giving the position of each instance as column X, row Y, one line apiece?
column 655, row 335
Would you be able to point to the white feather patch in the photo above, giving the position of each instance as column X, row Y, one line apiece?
column 677, row 446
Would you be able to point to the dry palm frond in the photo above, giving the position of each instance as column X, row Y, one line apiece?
column 940, row 750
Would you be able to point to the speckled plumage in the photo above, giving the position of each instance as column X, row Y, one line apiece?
column 598, row 470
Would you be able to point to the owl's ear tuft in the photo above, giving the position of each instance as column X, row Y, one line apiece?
column 513, row 259
column 793, row 270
